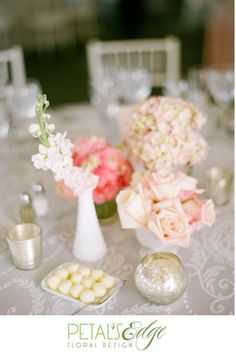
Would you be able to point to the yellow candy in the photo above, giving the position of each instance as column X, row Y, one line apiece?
column 87, row 296
column 76, row 290
column 97, row 274
column 53, row 282
column 85, row 271
column 62, row 273
column 87, row 282
column 99, row 289
column 108, row 281
column 73, row 268
column 76, row 278
column 65, row 286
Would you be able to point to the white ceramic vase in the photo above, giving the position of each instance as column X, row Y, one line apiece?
column 89, row 244
column 149, row 241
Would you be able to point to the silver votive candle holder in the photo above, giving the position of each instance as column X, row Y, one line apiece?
column 218, row 182
column 161, row 277
column 25, row 243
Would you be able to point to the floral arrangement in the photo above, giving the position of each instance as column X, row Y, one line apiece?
column 166, row 203
column 164, row 131
column 106, row 162
column 55, row 153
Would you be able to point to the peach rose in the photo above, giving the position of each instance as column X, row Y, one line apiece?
column 164, row 184
column 185, row 182
column 208, row 213
column 170, row 223
column 188, row 194
column 163, row 175
column 162, row 191
column 193, row 208
column 132, row 208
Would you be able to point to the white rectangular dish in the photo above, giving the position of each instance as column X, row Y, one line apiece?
column 99, row 301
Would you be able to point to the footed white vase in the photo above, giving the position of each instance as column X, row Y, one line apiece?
column 89, row 244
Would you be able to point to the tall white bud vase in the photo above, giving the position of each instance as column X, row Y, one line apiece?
column 89, row 244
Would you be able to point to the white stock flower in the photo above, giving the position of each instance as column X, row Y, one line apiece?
column 50, row 128
column 43, row 150
column 39, row 162
column 34, row 130
column 55, row 155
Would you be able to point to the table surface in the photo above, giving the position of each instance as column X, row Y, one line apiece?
column 209, row 260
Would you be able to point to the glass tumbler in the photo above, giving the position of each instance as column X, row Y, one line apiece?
column 25, row 243
column 218, row 183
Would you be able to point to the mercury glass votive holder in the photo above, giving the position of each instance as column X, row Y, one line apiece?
column 25, row 243
column 161, row 277
column 218, row 182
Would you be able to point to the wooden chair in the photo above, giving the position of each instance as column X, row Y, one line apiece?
column 161, row 57
column 12, row 67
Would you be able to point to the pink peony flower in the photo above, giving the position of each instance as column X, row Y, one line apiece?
column 97, row 156
column 84, row 147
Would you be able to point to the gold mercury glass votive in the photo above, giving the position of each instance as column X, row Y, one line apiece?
column 218, row 181
column 161, row 277
column 25, row 243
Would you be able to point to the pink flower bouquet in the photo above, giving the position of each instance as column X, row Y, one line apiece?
column 103, row 160
column 164, row 132
column 167, row 204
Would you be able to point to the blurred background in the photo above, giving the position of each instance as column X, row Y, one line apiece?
column 54, row 33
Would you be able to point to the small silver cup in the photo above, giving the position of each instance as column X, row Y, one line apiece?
column 218, row 181
column 25, row 243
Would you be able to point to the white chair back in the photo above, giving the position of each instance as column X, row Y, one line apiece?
column 12, row 67
column 161, row 57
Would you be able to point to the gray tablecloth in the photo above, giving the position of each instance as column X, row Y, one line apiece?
column 209, row 260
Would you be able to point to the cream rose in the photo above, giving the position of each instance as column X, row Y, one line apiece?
column 185, row 182
column 132, row 208
column 164, row 185
column 170, row 223
column 163, row 175
column 193, row 208
column 208, row 213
